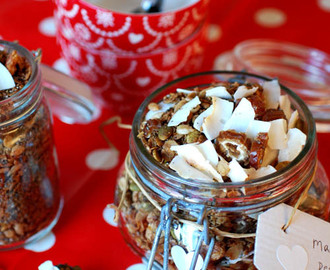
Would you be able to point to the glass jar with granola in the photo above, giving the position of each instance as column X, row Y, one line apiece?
column 30, row 200
column 208, row 153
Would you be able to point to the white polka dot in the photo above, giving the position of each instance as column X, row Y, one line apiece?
column 214, row 33
column 45, row 243
column 47, row 265
column 108, row 215
column 62, row 65
column 102, row 159
column 139, row 266
column 270, row 17
column 324, row 4
column 47, row 27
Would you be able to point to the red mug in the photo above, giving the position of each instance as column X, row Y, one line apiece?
column 121, row 82
column 93, row 26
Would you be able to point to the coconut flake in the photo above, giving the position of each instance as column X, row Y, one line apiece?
column 182, row 114
column 236, row 173
column 270, row 156
column 285, row 105
column 181, row 166
column 198, row 157
column 198, row 123
column 218, row 91
column 241, row 117
column 255, row 127
column 6, row 80
column 250, row 172
column 296, row 142
column 262, row 171
column 243, row 91
column 184, row 91
column 277, row 134
column 272, row 92
column 214, row 123
column 158, row 114
column 209, row 152
column 293, row 119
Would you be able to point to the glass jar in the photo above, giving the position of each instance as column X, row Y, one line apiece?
column 29, row 193
column 303, row 69
column 30, row 199
column 150, row 195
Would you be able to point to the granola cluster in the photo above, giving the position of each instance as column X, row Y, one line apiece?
column 29, row 196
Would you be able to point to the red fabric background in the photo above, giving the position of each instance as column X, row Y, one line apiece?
column 82, row 236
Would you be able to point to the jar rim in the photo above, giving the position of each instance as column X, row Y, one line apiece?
column 147, row 158
column 4, row 44
column 25, row 100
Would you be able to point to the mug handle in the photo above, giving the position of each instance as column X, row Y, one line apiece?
column 70, row 99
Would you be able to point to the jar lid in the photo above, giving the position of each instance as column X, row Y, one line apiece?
column 303, row 69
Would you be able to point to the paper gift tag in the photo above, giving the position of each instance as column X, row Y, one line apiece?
column 305, row 244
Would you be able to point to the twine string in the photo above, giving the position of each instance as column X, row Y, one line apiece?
column 301, row 198
column 109, row 122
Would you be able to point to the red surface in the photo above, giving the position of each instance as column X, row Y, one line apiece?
column 82, row 236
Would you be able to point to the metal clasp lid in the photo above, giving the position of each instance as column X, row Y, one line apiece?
column 166, row 219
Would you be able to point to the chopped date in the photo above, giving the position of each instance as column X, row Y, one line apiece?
column 258, row 104
column 273, row 114
column 233, row 145
column 257, row 151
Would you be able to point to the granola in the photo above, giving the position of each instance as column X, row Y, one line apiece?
column 227, row 114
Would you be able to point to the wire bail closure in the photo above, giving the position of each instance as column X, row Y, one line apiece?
column 166, row 219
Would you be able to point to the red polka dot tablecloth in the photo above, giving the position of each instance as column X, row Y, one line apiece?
column 86, row 234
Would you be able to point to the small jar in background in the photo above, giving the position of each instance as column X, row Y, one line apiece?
column 30, row 200
column 145, row 186
column 303, row 69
